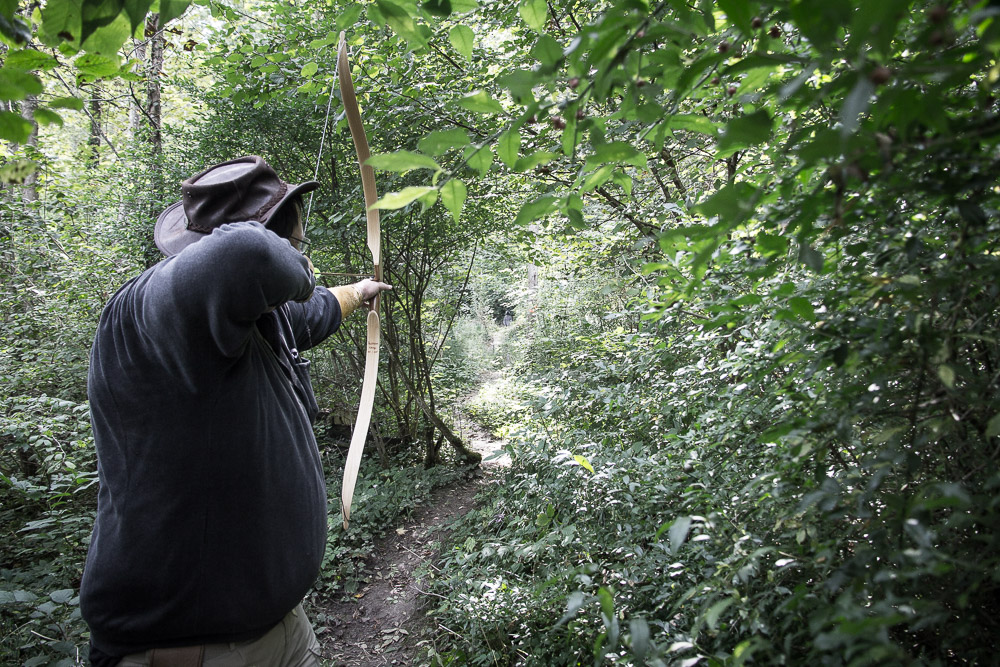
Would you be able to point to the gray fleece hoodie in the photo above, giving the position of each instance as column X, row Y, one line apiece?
column 211, row 520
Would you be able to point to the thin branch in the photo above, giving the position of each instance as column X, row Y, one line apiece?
column 89, row 115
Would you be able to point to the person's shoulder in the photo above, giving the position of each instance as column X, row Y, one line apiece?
column 231, row 242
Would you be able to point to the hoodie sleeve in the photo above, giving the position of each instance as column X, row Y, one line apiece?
column 214, row 290
column 313, row 321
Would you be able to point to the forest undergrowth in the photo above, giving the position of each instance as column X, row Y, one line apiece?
column 671, row 504
column 733, row 266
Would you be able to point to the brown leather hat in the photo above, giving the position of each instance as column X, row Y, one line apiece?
column 236, row 191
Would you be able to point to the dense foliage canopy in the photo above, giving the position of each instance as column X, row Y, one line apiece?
column 750, row 254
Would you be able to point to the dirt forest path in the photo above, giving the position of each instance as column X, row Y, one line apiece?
column 384, row 623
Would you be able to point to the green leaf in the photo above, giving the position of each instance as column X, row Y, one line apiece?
column 463, row 6
column 607, row 601
column 108, row 39
column 569, row 136
column 811, row 258
column 402, row 162
column 617, row 152
column 856, row 104
column 608, row 615
column 520, row 83
column 62, row 596
column 14, row 128
column 547, row 50
column 534, row 13
column 768, row 245
column 16, row 84
column 45, row 116
column 820, row 21
column 60, row 22
column 172, row 9
column 441, row 141
column 575, row 600
column 74, row 103
column 136, row 11
column 582, row 460
column 754, row 79
column 802, row 307
column 715, row 611
column 679, row 532
column 453, row 195
column 622, row 180
column 693, row 123
column 309, row 69
column 480, row 102
column 535, row 159
column 947, row 375
column 576, row 220
column 462, row 38
column 993, row 426
column 745, row 131
column 30, row 59
column 96, row 14
column 479, row 158
column 401, row 23
column 15, row 30
column 733, row 203
column 438, row 7
column 539, row 208
column 738, row 14
column 598, row 178
column 98, row 66
column 639, row 633
column 396, row 200
column 346, row 19
column 509, row 146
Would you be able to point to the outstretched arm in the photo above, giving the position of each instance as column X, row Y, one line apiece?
column 352, row 296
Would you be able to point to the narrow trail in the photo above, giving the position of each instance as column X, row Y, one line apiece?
column 383, row 623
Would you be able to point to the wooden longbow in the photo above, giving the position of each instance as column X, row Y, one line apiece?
column 361, row 424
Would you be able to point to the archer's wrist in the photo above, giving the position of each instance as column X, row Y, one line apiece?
column 349, row 298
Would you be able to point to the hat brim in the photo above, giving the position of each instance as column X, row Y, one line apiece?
column 293, row 191
column 172, row 235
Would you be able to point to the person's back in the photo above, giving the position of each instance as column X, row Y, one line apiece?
column 212, row 518
column 211, row 521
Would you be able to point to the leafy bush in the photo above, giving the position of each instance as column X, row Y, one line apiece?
column 499, row 404
column 48, row 490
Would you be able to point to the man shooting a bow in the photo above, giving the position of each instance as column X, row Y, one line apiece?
column 211, row 519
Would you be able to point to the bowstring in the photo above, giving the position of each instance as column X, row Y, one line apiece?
column 322, row 142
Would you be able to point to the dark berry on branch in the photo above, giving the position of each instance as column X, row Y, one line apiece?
column 880, row 75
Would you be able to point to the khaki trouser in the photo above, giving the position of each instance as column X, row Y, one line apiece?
column 291, row 643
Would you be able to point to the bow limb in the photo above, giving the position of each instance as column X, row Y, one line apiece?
column 375, row 245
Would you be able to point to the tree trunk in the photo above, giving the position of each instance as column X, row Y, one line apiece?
column 466, row 454
column 94, row 141
column 29, row 191
column 153, row 109
column 136, row 118
column 153, row 117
